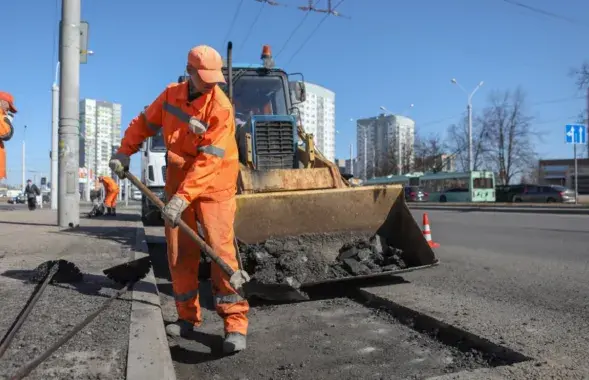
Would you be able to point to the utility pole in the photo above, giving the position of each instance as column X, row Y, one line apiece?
column 69, row 144
column 54, row 138
column 469, row 111
column 24, row 170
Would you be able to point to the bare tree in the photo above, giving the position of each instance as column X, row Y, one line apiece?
column 510, row 143
column 386, row 163
column 458, row 143
column 430, row 152
column 581, row 74
column 531, row 174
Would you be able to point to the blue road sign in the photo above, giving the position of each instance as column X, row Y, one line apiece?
column 575, row 134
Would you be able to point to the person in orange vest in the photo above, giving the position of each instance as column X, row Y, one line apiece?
column 111, row 190
column 7, row 112
column 198, row 126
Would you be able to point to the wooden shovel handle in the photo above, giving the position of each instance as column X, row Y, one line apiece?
column 205, row 248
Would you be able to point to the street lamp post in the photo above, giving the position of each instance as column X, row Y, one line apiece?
column 469, row 111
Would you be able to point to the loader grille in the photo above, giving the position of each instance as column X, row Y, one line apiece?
column 274, row 145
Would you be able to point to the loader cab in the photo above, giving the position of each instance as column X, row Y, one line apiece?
column 266, row 117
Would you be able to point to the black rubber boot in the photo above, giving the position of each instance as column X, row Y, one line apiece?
column 114, row 211
column 108, row 211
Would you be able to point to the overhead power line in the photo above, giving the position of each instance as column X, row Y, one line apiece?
column 311, row 5
column 546, row 13
column 247, row 35
column 232, row 24
column 331, row 11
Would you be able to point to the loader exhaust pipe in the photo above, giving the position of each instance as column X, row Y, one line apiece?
column 230, row 70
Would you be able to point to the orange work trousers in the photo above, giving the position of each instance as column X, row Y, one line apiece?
column 110, row 199
column 216, row 219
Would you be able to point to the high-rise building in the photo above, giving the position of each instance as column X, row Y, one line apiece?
column 100, row 133
column 318, row 117
column 389, row 145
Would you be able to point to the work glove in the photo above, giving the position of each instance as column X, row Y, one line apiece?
column 119, row 163
column 196, row 126
column 172, row 211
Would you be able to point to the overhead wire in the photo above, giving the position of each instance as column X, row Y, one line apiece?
column 312, row 33
column 232, row 24
column 307, row 13
column 545, row 13
column 462, row 114
column 251, row 28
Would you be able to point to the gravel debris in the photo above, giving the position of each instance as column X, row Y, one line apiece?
column 302, row 259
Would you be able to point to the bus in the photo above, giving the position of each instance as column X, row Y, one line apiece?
column 406, row 180
column 476, row 186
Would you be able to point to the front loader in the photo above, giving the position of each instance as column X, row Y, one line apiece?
column 287, row 189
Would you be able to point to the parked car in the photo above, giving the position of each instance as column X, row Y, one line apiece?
column 542, row 194
column 415, row 194
column 19, row 199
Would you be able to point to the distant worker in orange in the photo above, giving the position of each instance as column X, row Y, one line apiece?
column 7, row 112
column 198, row 125
column 111, row 192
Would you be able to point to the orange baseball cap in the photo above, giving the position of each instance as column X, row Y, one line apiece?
column 208, row 62
column 10, row 99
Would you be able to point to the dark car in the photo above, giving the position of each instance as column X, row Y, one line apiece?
column 544, row 194
column 18, row 199
column 415, row 194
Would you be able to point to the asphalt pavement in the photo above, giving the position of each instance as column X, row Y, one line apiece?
column 518, row 281
column 30, row 238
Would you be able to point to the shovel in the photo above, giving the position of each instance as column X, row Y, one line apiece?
column 239, row 280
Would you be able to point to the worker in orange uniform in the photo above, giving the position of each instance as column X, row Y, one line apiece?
column 111, row 190
column 7, row 112
column 198, row 126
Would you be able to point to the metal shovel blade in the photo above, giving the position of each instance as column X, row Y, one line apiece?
column 129, row 272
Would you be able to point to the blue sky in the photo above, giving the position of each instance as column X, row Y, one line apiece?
column 390, row 53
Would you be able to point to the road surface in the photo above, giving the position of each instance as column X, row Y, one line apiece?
column 518, row 280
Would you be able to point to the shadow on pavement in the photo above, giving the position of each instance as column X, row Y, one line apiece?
column 213, row 341
column 91, row 284
column 27, row 223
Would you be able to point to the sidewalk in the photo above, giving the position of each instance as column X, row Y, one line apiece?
column 101, row 349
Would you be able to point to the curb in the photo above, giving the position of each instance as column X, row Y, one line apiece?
column 519, row 210
column 148, row 356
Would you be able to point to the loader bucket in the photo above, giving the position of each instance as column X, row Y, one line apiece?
column 323, row 221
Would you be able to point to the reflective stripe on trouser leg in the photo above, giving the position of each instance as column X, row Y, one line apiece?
column 183, row 260
column 217, row 222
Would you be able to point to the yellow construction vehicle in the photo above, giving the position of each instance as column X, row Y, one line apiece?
column 287, row 188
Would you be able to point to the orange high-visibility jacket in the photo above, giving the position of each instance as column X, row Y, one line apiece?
column 204, row 166
column 6, row 132
column 110, row 185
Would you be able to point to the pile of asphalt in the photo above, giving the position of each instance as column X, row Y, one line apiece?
column 312, row 258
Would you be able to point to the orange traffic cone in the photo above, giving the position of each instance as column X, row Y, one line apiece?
column 427, row 232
